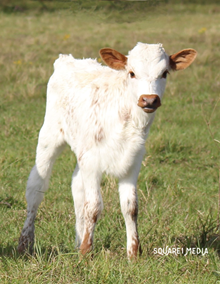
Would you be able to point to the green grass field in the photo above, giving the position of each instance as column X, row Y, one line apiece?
column 179, row 180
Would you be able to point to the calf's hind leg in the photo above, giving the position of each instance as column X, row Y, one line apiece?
column 79, row 199
column 50, row 145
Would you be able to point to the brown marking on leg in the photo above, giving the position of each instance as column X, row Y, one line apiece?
column 86, row 245
column 95, row 216
column 135, row 248
column 134, row 211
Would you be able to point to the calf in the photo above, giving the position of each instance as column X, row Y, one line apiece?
column 105, row 115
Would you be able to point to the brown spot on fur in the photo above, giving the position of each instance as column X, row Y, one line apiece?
column 95, row 98
column 133, row 206
column 94, row 101
column 99, row 135
column 135, row 248
column 95, row 216
column 86, row 245
column 61, row 130
column 134, row 211
column 125, row 115
column 80, row 156
column 91, row 219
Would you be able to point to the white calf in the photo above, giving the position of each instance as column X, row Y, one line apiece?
column 105, row 115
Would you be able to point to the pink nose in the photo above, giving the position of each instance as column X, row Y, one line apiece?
column 149, row 103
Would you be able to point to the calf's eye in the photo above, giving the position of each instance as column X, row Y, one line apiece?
column 165, row 74
column 132, row 75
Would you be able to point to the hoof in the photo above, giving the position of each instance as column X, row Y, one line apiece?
column 25, row 245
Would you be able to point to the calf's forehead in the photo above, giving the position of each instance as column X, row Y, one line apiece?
column 148, row 58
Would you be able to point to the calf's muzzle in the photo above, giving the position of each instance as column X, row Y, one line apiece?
column 149, row 103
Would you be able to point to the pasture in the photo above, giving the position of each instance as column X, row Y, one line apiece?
column 178, row 186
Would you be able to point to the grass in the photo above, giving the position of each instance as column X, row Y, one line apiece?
column 179, row 179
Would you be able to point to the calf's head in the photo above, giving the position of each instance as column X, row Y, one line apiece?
column 147, row 67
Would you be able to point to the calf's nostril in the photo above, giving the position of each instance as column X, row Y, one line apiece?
column 155, row 101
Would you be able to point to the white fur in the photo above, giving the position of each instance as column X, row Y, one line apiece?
column 94, row 109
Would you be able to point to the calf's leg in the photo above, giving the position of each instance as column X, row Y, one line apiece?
column 50, row 145
column 129, row 208
column 79, row 200
column 93, row 204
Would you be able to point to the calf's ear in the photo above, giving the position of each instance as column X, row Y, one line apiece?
column 113, row 58
column 182, row 59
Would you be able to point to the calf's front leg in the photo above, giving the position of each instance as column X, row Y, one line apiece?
column 93, row 204
column 129, row 208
